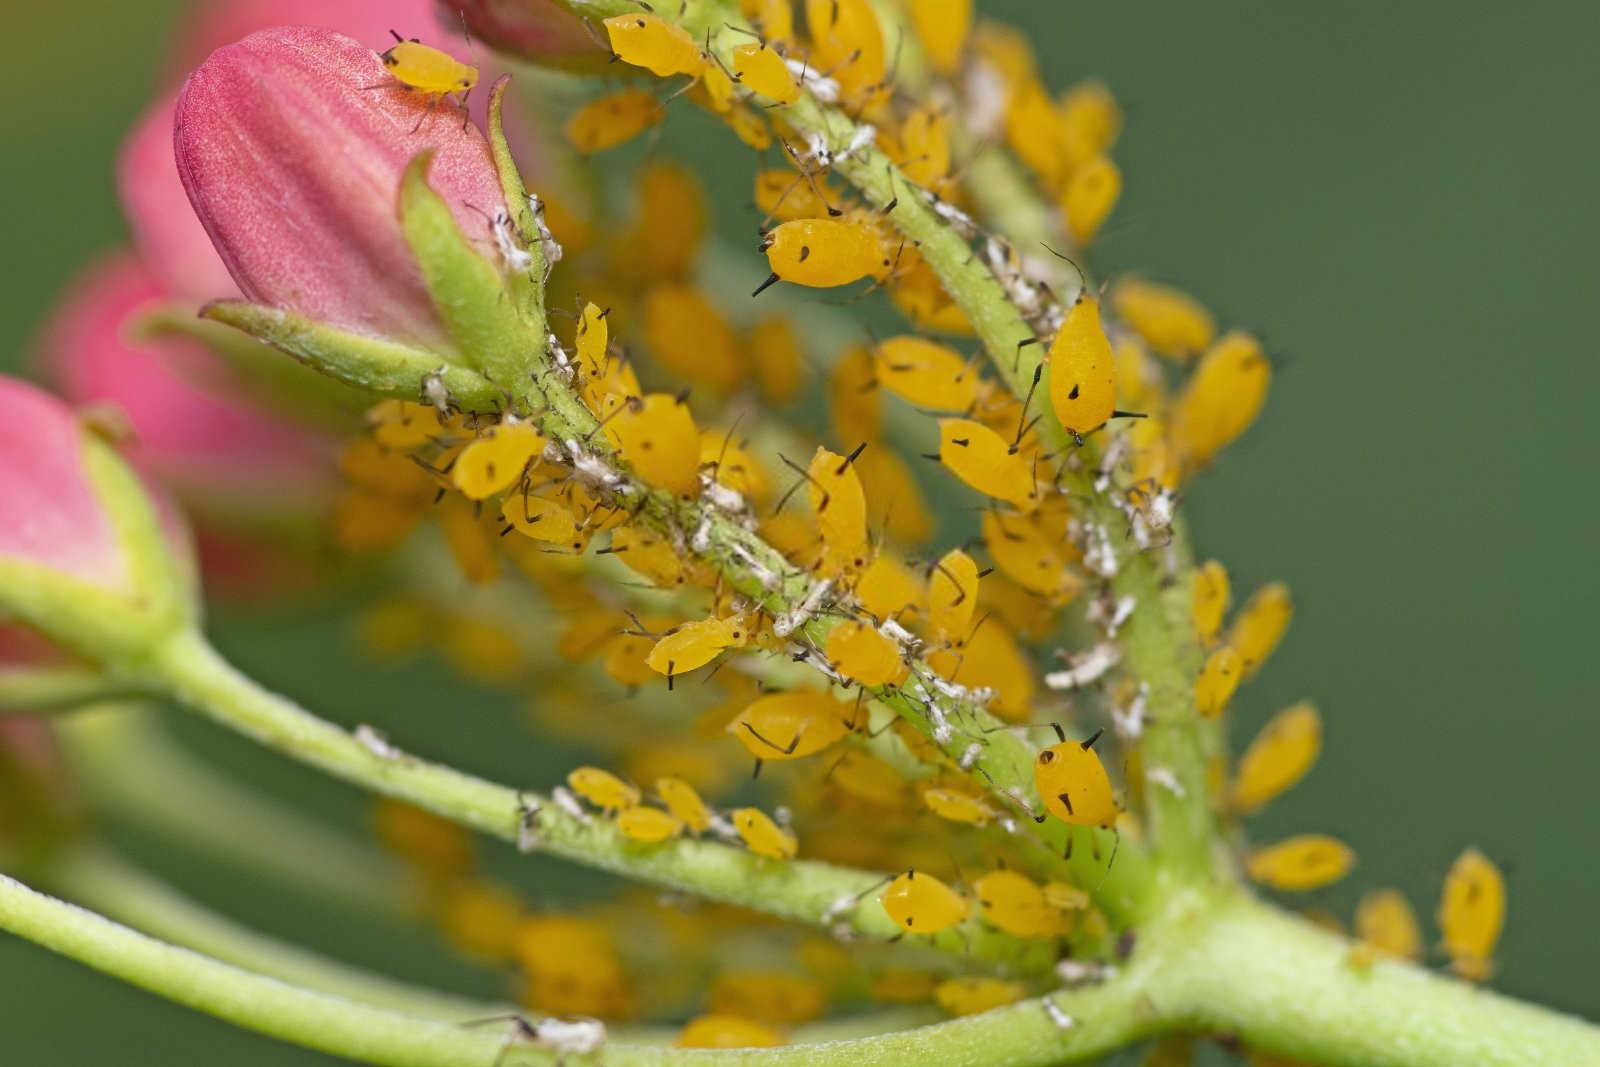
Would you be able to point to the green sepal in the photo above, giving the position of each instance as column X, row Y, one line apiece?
column 384, row 368
column 468, row 291
column 527, row 287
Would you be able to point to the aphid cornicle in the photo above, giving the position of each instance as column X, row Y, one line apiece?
column 427, row 70
column 1073, row 784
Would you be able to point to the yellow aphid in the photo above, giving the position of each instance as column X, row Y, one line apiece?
column 1015, row 903
column 649, row 825
column 732, row 465
column 690, row 338
column 1064, row 897
column 847, row 45
column 1034, row 132
column 1280, row 756
column 774, row 18
column 775, row 354
column 924, row 149
column 1090, row 119
column 428, row 70
column 648, row 556
column 610, row 120
column 763, row 836
column 403, row 425
column 919, row 294
column 785, row 196
column 887, row 587
column 694, row 644
column 841, row 510
column 942, row 27
column 372, row 522
column 981, row 458
column 1027, row 555
column 1211, row 595
column 658, row 46
column 727, row 1031
column 1260, row 625
column 953, row 594
column 1222, row 398
column 657, row 436
column 1073, row 784
column 1385, row 921
column 479, row 918
column 625, row 659
column 868, row 779
column 771, row 996
column 902, row 985
column 683, row 801
column 436, row 847
column 603, row 789
column 921, row 904
column 854, row 401
column 823, row 253
column 957, row 806
column 496, row 462
column 1306, row 861
column 717, row 87
column 927, row 374
column 1171, row 321
column 1090, row 193
column 761, row 69
column 792, row 725
column 483, row 650
column 1219, row 676
column 1471, row 913
column 897, row 502
column 571, row 966
column 1083, row 370
column 859, row 652
column 750, row 127
column 670, row 226
column 990, row 659
column 973, row 994
column 472, row 545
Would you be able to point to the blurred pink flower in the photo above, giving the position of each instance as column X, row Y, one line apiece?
column 214, row 23
column 535, row 30
column 192, row 432
column 293, row 161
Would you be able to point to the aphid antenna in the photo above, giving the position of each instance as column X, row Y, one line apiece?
column 805, row 474
column 1083, row 279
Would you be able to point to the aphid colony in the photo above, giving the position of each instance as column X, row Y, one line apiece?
column 780, row 580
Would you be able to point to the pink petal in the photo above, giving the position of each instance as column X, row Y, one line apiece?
column 536, row 30
column 291, row 144
column 215, row 23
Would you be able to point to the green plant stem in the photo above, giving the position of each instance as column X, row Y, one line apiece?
column 1103, row 1016
column 138, row 774
column 1280, row 983
column 97, row 878
column 801, row 890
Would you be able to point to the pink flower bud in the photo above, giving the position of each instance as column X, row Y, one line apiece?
column 50, row 515
column 291, row 144
column 536, row 30
column 189, row 431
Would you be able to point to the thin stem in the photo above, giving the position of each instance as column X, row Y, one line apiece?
column 1099, row 1018
column 800, row 890
column 97, row 878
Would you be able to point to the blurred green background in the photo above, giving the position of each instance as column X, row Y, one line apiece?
column 1398, row 200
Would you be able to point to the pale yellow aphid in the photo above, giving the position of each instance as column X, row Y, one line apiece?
column 1386, row 925
column 1306, row 861
column 1260, row 625
column 1222, row 398
column 717, row 1030
column 763, row 836
column 791, row 725
column 887, row 587
column 649, row 825
column 467, row 535
column 603, row 789
column 1083, row 370
column 691, row 339
column 1090, row 119
column 429, row 71
column 903, row 985
column 1219, row 676
column 953, row 595
column 657, row 436
column 841, row 510
column 924, row 149
column 733, row 465
column 694, row 644
column 859, row 652
column 496, row 461
column 778, row 360
column 610, row 120
column 1027, row 555
column 897, row 501
column 973, row 994
column 1169, row 320
column 957, row 806
column 942, row 26
column 772, row 996
column 982, row 458
column 927, row 374
column 762, row 70
column 1015, row 903
column 479, row 918
column 847, row 45
column 868, row 779
column 684, row 802
column 669, row 226
column 1064, row 897
column 1280, row 756
column 921, row 904
column 1091, row 192
column 774, row 18
column 648, row 41
column 539, row 518
column 648, row 555
column 1211, row 595
column 855, row 403
column 1472, row 911
column 403, row 424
